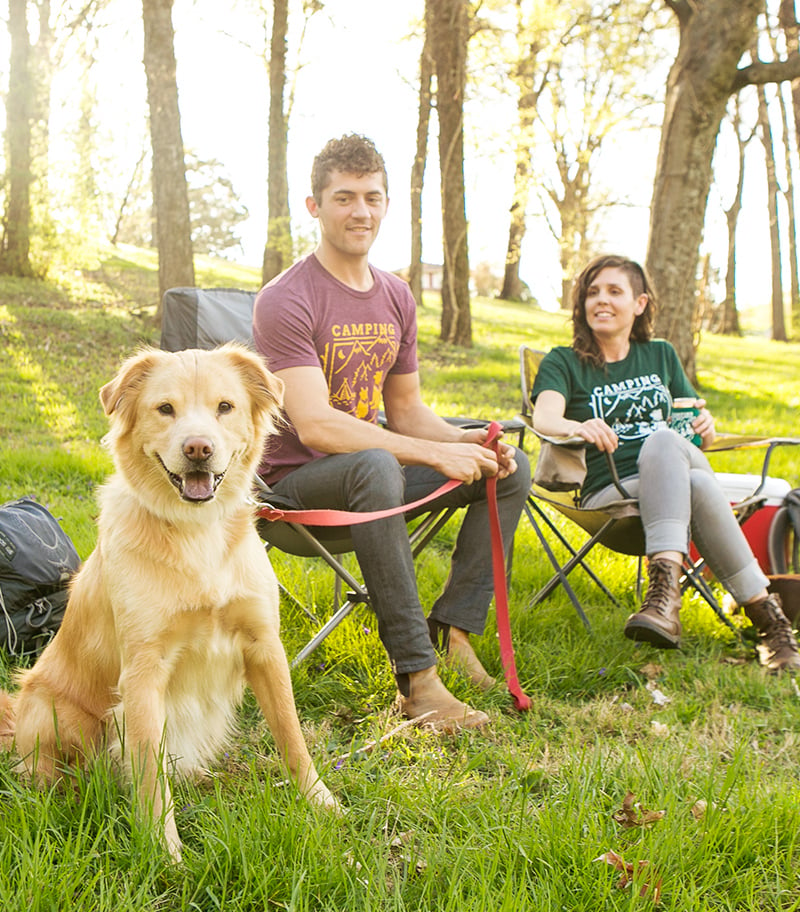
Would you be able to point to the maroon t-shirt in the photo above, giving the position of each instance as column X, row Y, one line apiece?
column 307, row 318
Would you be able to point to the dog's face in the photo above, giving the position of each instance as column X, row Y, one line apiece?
column 182, row 423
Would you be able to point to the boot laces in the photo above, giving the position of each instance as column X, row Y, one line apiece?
column 778, row 633
column 659, row 589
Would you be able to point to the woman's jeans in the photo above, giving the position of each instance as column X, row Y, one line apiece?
column 374, row 480
column 680, row 498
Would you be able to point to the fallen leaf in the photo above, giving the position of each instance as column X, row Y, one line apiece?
column 627, row 873
column 660, row 729
column 632, row 814
column 699, row 809
column 651, row 670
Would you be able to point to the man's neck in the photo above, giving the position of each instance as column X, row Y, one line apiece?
column 351, row 271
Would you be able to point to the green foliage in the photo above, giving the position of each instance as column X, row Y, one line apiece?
column 511, row 820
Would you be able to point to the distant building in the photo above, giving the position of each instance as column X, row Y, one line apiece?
column 431, row 276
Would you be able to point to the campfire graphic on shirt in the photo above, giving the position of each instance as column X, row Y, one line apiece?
column 633, row 408
column 355, row 364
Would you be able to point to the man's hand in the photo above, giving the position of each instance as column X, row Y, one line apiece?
column 505, row 463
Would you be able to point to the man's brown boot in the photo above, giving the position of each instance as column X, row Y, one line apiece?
column 454, row 646
column 658, row 620
column 422, row 697
column 777, row 647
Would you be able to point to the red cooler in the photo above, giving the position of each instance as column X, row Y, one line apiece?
column 756, row 528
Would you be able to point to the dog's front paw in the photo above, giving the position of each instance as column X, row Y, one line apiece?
column 320, row 795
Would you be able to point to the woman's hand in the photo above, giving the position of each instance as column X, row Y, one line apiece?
column 704, row 424
column 597, row 432
column 548, row 419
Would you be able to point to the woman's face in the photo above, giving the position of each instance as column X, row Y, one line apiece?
column 610, row 305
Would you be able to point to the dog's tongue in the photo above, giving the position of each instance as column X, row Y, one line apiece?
column 198, row 486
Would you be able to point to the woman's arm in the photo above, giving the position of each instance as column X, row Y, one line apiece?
column 549, row 419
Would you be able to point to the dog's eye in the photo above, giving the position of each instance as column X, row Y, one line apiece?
column 224, row 407
column 166, row 409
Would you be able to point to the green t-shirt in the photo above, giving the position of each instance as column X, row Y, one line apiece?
column 633, row 396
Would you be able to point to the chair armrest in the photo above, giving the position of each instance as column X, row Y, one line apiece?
column 574, row 441
column 727, row 442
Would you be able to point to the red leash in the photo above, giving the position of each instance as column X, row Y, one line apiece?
column 521, row 700
column 346, row 518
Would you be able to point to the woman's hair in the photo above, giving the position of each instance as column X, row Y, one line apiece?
column 352, row 154
column 583, row 339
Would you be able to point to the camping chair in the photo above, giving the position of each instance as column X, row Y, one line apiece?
column 617, row 525
column 205, row 318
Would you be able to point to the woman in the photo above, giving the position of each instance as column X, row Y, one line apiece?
column 614, row 387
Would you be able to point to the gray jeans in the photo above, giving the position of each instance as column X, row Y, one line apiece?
column 680, row 499
column 374, row 480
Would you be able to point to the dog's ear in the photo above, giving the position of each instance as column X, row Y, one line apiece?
column 123, row 389
column 266, row 390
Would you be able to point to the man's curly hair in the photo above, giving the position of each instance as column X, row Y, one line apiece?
column 352, row 154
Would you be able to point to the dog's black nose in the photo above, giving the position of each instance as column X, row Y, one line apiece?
column 198, row 448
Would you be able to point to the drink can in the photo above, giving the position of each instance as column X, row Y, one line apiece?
column 681, row 417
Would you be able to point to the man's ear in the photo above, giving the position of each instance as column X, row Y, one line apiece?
column 313, row 208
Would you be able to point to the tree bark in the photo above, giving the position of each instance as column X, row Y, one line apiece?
column 787, row 18
column 525, row 76
column 726, row 317
column 15, row 249
column 713, row 36
column 418, row 169
column 278, row 251
column 170, row 193
column 778, row 324
column 448, row 25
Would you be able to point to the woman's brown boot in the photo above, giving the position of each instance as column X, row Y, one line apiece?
column 658, row 620
column 777, row 647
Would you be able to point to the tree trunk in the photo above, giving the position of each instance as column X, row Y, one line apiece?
column 778, row 324
column 15, row 250
column 447, row 22
column 726, row 317
column 713, row 37
column 788, row 195
column 528, row 50
column 278, row 251
column 418, row 170
column 787, row 17
column 170, row 194
column 42, row 80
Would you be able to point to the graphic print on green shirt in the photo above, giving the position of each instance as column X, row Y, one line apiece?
column 633, row 396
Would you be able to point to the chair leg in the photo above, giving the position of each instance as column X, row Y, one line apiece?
column 693, row 576
column 560, row 577
column 576, row 559
column 330, row 625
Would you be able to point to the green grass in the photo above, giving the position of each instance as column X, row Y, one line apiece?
column 511, row 820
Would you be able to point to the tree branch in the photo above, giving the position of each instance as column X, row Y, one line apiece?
column 683, row 9
column 759, row 73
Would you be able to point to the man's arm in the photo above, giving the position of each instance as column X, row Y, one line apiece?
column 418, row 435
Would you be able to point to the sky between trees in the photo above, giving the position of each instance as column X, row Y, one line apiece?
column 358, row 72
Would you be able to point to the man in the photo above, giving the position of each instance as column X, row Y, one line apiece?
column 342, row 336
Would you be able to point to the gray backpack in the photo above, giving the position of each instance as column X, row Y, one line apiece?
column 37, row 561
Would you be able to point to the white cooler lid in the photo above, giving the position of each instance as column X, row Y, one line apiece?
column 737, row 487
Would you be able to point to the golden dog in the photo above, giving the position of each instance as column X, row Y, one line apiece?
column 177, row 606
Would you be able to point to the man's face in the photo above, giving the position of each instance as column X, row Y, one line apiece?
column 350, row 211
